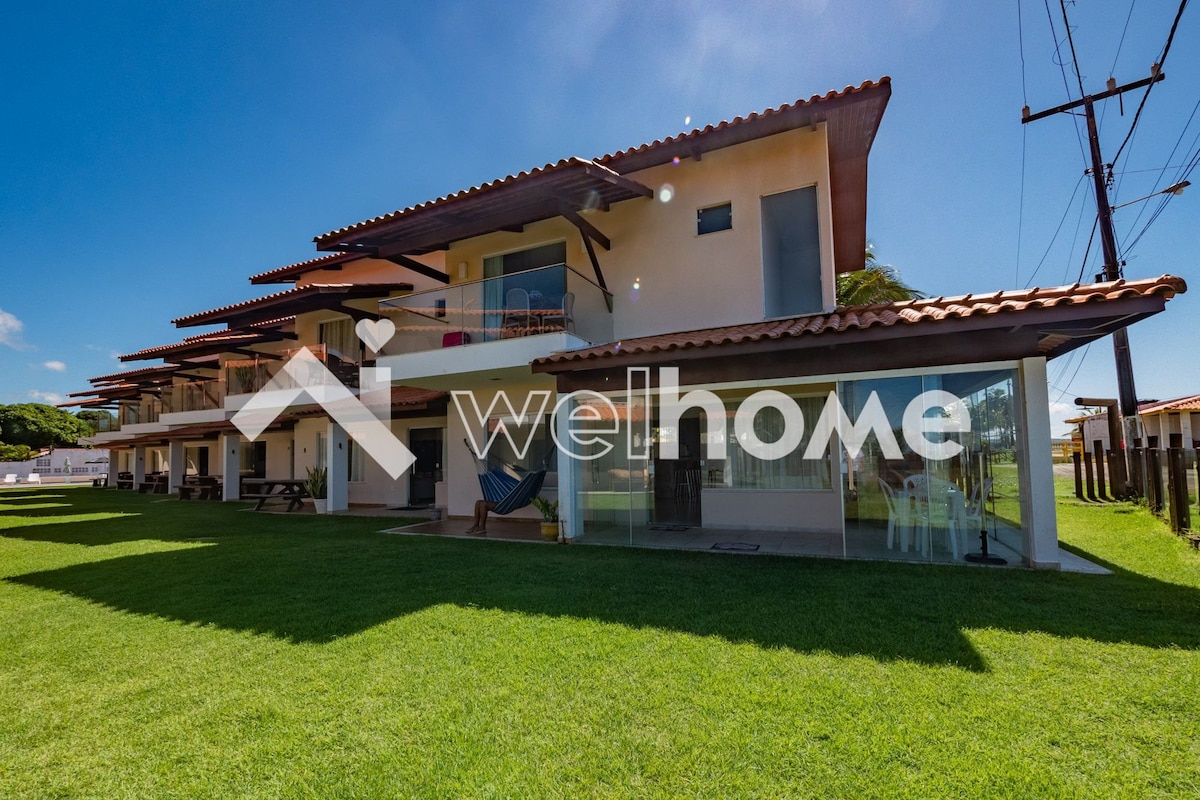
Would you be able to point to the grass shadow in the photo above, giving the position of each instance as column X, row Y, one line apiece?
column 313, row 580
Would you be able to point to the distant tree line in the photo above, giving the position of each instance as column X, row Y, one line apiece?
column 28, row 427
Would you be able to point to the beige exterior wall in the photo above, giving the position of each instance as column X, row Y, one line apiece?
column 685, row 281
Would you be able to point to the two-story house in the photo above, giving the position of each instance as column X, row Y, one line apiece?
column 657, row 329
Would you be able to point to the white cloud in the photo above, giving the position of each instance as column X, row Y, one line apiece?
column 52, row 398
column 55, row 366
column 10, row 331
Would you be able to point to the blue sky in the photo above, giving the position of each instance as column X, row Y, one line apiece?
column 155, row 155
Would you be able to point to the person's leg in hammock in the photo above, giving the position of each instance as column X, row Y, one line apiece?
column 479, row 524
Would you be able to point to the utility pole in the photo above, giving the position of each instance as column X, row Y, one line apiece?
column 1126, row 392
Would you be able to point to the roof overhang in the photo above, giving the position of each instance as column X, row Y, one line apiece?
column 291, row 272
column 313, row 297
column 214, row 343
column 940, row 331
column 565, row 188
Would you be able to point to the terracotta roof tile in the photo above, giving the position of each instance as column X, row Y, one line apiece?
column 460, row 195
column 292, row 271
column 629, row 160
column 909, row 312
column 1189, row 403
column 612, row 159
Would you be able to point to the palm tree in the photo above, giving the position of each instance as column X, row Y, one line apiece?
column 875, row 283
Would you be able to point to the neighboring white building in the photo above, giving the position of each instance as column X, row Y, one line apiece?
column 52, row 465
column 1165, row 424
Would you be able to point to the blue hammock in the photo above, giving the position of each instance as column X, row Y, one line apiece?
column 508, row 491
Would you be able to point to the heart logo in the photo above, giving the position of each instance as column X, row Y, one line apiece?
column 375, row 333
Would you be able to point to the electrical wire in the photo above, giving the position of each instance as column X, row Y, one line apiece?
column 1070, row 205
column 1024, row 137
column 1082, row 358
column 1162, row 170
column 1066, row 84
column 1113, row 69
column 1162, row 59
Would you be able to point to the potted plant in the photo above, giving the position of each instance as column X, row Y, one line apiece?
column 549, row 517
column 317, row 486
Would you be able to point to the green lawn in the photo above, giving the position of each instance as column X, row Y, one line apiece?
column 153, row 648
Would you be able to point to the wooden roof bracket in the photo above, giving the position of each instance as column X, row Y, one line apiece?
column 418, row 267
column 588, row 232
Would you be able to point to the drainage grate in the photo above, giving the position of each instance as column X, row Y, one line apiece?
column 734, row 546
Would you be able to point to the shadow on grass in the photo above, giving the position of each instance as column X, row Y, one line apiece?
column 315, row 580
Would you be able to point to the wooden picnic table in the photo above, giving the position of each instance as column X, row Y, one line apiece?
column 205, row 487
column 263, row 489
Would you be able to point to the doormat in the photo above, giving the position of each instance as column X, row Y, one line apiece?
column 735, row 546
column 667, row 528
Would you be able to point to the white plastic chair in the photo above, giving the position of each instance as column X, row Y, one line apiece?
column 939, row 505
column 10, row 479
column 897, row 517
column 34, row 478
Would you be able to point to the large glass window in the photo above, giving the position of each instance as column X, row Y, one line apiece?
column 338, row 336
column 744, row 470
column 924, row 491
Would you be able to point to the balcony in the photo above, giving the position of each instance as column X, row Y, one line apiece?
column 249, row 375
column 520, row 317
column 193, row 402
column 194, row 396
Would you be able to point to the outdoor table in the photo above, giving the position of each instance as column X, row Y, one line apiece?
column 264, row 489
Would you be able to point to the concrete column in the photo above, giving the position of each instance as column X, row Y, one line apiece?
column 176, row 465
column 1185, row 427
column 337, row 460
column 570, row 474
column 1040, row 521
column 139, row 466
column 231, row 466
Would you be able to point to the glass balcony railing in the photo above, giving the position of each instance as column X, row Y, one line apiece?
column 141, row 413
column 193, row 396
column 248, row 375
column 544, row 300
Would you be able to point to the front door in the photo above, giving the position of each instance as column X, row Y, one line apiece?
column 426, row 445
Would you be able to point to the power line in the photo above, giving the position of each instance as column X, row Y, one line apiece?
column 1120, row 44
column 1024, row 137
column 1082, row 358
column 1071, row 41
column 1062, row 68
column 1162, row 170
column 1070, row 204
column 1162, row 59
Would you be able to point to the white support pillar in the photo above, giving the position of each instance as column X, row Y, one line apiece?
column 570, row 474
column 1041, row 522
column 337, row 460
column 139, row 466
column 231, row 466
column 176, row 465
column 1185, row 428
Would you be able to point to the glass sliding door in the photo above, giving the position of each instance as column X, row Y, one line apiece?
column 920, row 488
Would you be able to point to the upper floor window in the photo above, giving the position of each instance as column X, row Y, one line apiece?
column 791, row 253
column 714, row 218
